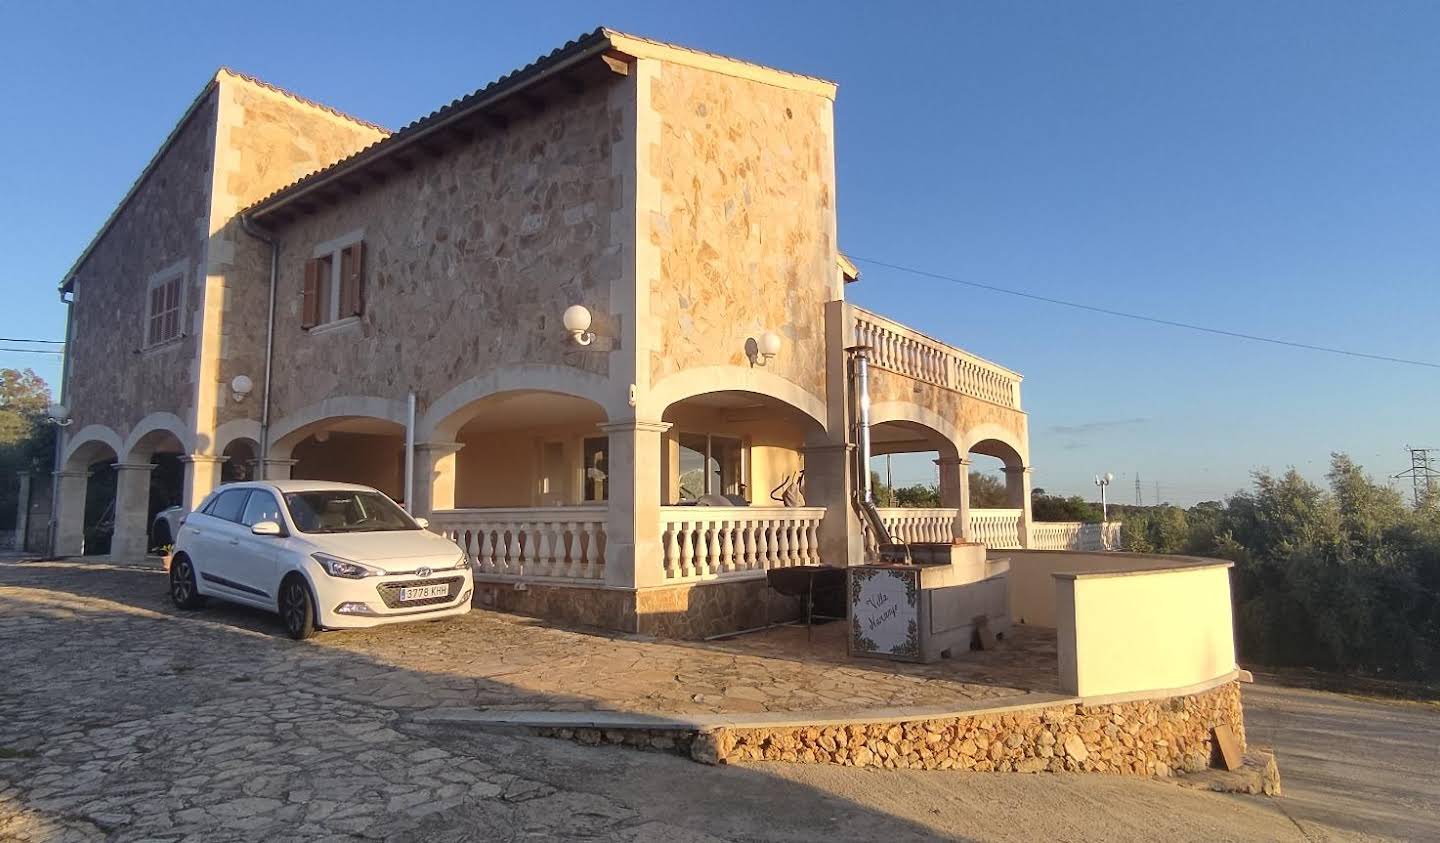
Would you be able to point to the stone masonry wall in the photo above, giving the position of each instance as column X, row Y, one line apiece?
column 965, row 412
column 1146, row 737
column 471, row 258
column 266, row 140
column 114, row 382
column 745, row 224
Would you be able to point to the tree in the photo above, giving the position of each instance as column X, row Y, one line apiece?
column 987, row 491
column 23, row 399
column 918, row 496
column 26, row 443
column 1045, row 507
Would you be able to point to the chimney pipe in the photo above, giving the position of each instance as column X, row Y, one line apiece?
column 865, row 494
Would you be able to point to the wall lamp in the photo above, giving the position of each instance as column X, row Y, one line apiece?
column 577, row 323
column 240, row 387
column 58, row 415
column 763, row 350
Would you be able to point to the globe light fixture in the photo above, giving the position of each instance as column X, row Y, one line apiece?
column 577, row 323
column 58, row 415
column 240, row 387
column 1104, row 481
column 763, row 350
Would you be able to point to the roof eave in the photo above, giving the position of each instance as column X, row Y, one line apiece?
column 402, row 141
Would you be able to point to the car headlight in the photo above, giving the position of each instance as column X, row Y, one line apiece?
column 337, row 567
column 462, row 562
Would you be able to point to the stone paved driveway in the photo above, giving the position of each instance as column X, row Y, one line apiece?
column 123, row 720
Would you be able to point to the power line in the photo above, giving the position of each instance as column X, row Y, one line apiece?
column 20, row 339
column 1152, row 319
column 33, row 351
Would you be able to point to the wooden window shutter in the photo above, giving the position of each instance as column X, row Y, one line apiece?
column 310, row 294
column 352, row 282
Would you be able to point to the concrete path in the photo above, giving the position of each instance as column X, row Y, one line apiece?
column 1367, row 766
column 121, row 719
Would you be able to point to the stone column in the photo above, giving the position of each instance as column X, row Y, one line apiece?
column 829, row 471
column 633, row 557
column 22, row 509
column 435, row 467
column 202, row 475
column 69, row 515
column 276, row 469
column 955, row 493
column 132, row 510
column 1017, row 496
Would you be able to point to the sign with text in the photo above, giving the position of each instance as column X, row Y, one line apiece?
column 885, row 612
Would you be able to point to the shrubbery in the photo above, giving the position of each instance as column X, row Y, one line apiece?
column 1345, row 578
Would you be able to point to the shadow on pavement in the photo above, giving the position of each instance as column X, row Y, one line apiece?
column 109, row 709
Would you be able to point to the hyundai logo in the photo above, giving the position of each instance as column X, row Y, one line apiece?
column 423, row 572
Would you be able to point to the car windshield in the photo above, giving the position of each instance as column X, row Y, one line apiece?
column 346, row 511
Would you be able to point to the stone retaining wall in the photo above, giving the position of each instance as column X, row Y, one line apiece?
column 1144, row 737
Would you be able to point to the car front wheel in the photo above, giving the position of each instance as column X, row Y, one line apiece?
column 183, row 592
column 297, row 609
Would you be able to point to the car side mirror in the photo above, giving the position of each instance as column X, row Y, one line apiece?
column 423, row 522
column 267, row 528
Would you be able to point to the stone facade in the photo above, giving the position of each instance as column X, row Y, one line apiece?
column 966, row 414
column 745, row 224
column 687, row 200
column 699, row 611
column 266, row 140
column 1152, row 737
column 470, row 257
column 687, row 612
column 605, row 608
column 114, row 381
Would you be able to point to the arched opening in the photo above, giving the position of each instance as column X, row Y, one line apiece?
column 520, row 479
column 530, row 448
column 734, row 448
column 999, row 493
column 150, row 478
column 350, row 449
column 905, row 463
column 915, row 474
column 87, row 524
column 241, row 461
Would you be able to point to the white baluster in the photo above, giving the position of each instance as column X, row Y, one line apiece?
column 686, row 531
column 672, row 551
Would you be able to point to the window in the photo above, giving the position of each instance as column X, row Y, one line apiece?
column 597, row 469
column 344, row 511
column 334, row 283
column 228, row 505
column 162, row 307
column 711, row 465
column 261, row 507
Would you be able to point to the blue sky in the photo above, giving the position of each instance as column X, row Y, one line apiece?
column 1271, row 168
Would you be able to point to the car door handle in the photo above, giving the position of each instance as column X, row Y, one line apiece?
column 234, row 541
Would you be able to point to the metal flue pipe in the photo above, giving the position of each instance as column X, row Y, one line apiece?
column 865, row 494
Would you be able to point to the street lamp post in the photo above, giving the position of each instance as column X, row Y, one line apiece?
column 1103, row 481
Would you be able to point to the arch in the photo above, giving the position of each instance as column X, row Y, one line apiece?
column 286, row 433
column 90, row 445
column 241, row 457
column 908, row 411
column 444, row 417
column 229, row 432
column 997, row 441
column 140, row 444
column 707, row 379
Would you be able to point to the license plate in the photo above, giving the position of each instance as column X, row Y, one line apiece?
column 424, row 592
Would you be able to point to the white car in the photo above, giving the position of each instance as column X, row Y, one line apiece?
column 323, row 555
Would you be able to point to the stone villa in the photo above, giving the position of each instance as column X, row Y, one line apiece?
column 550, row 316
